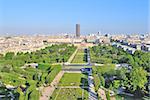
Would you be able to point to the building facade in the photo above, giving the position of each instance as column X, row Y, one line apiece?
column 77, row 30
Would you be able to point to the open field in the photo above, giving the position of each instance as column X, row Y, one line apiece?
column 69, row 94
column 79, row 57
column 70, row 87
column 73, row 79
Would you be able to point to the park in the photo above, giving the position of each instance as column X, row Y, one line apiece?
column 59, row 72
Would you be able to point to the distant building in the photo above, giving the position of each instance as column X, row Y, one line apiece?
column 104, row 40
column 77, row 30
column 145, row 48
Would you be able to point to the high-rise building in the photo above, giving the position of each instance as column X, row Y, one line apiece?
column 77, row 30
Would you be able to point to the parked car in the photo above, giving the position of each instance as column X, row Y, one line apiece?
column 86, row 70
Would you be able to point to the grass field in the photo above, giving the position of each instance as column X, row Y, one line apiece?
column 69, row 94
column 79, row 57
column 73, row 79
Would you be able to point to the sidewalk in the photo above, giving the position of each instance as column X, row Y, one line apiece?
column 92, row 93
column 48, row 91
column 72, row 56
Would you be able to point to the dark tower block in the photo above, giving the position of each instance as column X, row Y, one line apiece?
column 77, row 30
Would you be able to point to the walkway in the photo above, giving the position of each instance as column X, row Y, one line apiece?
column 72, row 56
column 102, row 94
column 47, row 91
column 72, row 87
column 72, row 71
column 92, row 93
column 72, row 68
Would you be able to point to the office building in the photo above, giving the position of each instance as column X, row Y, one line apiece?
column 77, row 30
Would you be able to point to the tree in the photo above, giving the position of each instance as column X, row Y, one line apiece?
column 131, row 60
column 123, row 59
column 57, row 60
column 6, row 68
column 1, row 55
column 142, row 59
column 116, row 84
column 63, row 60
column 121, row 73
column 102, row 80
column 138, row 78
column 107, row 95
column 21, row 94
column 96, row 82
column 9, row 55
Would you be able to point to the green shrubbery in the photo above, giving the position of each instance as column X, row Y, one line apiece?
column 55, row 70
column 100, row 72
column 80, row 57
column 133, row 78
column 96, row 82
column 12, row 73
column 107, row 55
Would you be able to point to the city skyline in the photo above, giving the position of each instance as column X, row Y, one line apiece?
column 50, row 17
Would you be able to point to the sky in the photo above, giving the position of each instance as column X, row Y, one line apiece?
column 61, row 16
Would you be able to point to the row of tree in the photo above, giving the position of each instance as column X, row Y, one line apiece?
column 134, row 80
column 28, row 79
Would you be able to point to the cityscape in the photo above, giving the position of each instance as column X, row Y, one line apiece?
column 40, row 60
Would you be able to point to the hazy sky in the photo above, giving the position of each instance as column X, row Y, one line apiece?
column 60, row 16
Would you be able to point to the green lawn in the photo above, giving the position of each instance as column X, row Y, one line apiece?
column 73, row 79
column 79, row 57
column 69, row 94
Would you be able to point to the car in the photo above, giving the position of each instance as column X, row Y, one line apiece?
column 86, row 70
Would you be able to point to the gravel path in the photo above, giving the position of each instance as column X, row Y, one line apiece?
column 48, row 91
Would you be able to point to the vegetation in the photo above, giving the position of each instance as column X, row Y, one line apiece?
column 69, row 94
column 27, row 79
column 80, row 57
column 107, row 54
column 101, row 72
column 133, row 77
column 7, row 92
column 50, row 54
column 138, row 78
column 97, row 82
column 107, row 95
column 73, row 79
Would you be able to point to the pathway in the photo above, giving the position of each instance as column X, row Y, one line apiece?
column 72, row 56
column 102, row 94
column 92, row 93
column 72, row 68
column 47, row 91
column 71, row 87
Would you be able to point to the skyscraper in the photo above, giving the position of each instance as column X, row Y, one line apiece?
column 77, row 30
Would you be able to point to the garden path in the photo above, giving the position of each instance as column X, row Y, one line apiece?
column 48, row 91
